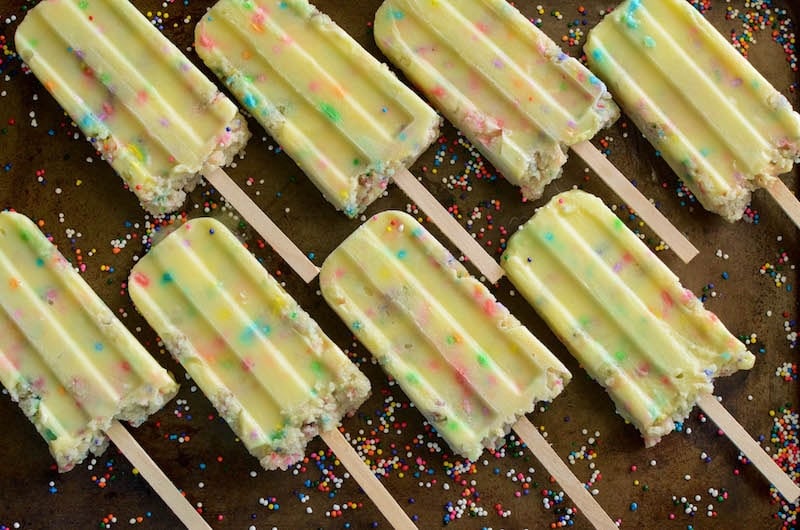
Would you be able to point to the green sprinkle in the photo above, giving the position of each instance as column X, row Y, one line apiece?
column 330, row 111
column 318, row 368
column 50, row 436
column 483, row 359
column 277, row 435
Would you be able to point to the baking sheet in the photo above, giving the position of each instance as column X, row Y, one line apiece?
column 746, row 270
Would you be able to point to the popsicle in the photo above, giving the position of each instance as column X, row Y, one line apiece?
column 719, row 124
column 143, row 105
column 262, row 361
column 512, row 91
column 72, row 366
column 341, row 115
column 470, row 367
column 625, row 316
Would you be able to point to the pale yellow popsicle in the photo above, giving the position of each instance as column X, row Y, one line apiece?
column 621, row 312
column 504, row 83
column 469, row 366
column 140, row 102
column 71, row 364
column 711, row 115
column 625, row 316
column 342, row 116
column 267, row 367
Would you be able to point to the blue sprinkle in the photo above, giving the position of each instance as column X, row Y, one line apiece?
column 629, row 20
column 88, row 121
column 250, row 101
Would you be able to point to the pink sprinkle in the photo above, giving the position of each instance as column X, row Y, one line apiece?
column 141, row 279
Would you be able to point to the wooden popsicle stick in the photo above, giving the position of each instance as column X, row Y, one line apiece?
column 573, row 487
column 449, row 226
column 786, row 200
column 635, row 200
column 265, row 226
column 751, row 449
column 160, row 483
column 373, row 487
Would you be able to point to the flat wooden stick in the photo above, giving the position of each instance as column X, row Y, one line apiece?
column 751, row 449
column 786, row 200
column 373, row 487
column 626, row 191
column 573, row 487
column 449, row 226
column 273, row 235
column 162, row 485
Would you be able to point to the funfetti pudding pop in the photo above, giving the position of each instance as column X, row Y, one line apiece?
column 714, row 118
column 470, row 367
column 341, row 115
column 263, row 362
column 512, row 91
column 72, row 366
column 625, row 316
column 347, row 121
column 153, row 115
